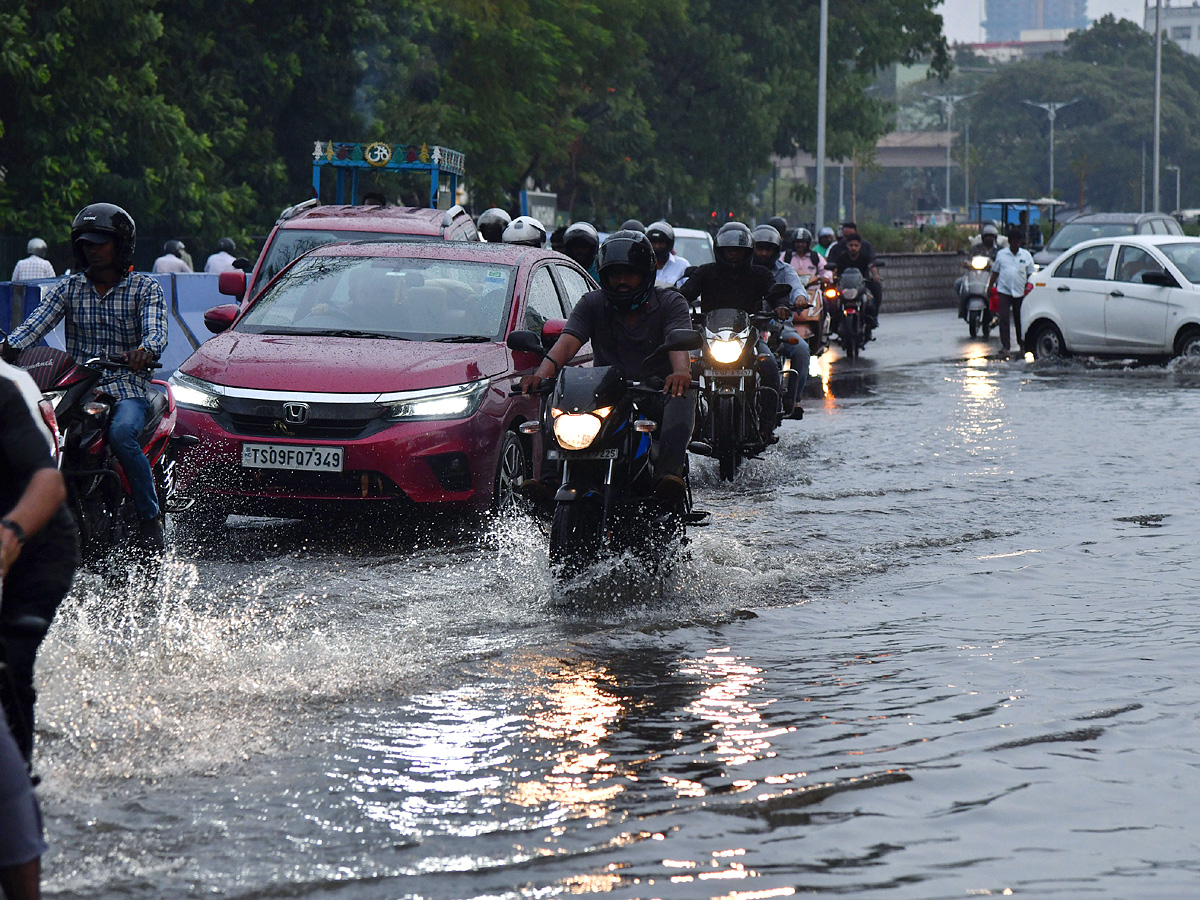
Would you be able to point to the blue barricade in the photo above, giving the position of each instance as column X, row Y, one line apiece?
column 188, row 296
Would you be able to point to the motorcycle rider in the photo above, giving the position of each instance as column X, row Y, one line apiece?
column 842, row 256
column 808, row 263
column 39, row 544
column 768, row 246
column 627, row 320
column 491, row 224
column 983, row 245
column 581, row 242
column 734, row 282
column 171, row 260
column 222, row 260
column 110, row 309
column 632, row 225
column 525, row 230
column 825, row 240
column 35, row 265
column 671, row 265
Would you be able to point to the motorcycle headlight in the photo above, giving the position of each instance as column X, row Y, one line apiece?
column 454, row 402
column 194, row 393
column 831, row 293
column 726, row 350
column 576, row 431
column 980, row 262
column 850, row 293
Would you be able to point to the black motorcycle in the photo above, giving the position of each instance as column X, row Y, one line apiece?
column 592, row 427
column 853, row 331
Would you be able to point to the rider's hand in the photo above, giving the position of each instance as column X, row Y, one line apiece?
column 138, row 359
column 530, row 383
column 7, row 353
column 677, row 384
column 782, row 313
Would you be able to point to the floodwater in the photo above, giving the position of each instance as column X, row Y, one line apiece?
column 940, row 642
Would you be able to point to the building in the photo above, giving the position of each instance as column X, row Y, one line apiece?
column 1033, row 44
column 1006, row 19
column 1180, row 24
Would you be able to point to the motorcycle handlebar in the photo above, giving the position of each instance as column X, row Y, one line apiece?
column 115, row 362
column 545, row 387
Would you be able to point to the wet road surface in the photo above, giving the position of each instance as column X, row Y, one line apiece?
column 939, row 642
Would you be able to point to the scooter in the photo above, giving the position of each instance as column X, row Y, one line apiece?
column 973, row 295
column 97, row 490
column 593, row 427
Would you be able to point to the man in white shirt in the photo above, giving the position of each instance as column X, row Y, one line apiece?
column 35, row 265
column 671, row 265
column 222, row 260
column 1010, row 273
column 171, row 260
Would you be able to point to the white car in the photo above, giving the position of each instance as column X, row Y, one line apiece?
column 1128, row 296
column 694, row 245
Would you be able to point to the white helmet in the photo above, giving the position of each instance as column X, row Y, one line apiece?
column 525, row 230
column 36, row 247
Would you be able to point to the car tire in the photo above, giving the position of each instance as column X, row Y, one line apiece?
column 1047, row 342
column 511, row 470
column 1188, row 343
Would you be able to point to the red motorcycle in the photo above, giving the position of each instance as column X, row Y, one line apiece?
column 97, row 489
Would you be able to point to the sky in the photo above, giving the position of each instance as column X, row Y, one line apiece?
column 963, row 17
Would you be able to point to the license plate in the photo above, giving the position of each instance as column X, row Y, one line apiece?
column 582, row 454
column 288, row 456
column 728, row 373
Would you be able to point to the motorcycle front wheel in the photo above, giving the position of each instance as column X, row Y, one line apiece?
column 973, row 319
column 576, row 535
column 726, row 433
column 849, row 337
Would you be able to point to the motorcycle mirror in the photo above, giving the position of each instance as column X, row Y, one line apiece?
column 525, row 342
column 778, row 292
column 690, row 271
column 683, row 339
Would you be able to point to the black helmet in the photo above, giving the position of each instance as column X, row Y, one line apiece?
column 491, row 224
column 734, row 235
column 802, row 234
column 632, row 225
column 525, row 230
column 100, row 223
column 631, row 250
column 660, row 232
column 769, row 236
column 226, row 245
column 779, row 223
column 581, row 242
column 174, row 248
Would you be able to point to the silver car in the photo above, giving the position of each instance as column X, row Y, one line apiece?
column 1127, row 296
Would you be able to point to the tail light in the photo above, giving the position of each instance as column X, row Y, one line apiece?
column 46, row 408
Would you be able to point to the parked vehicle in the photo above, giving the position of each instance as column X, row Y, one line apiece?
column 1130, row 296
column 729, row 424
column 372, row 375
column 851, row 300
column 1091, row 226
column 606, row 503
column 972, row 288
column 97, row 490
column 695, row 245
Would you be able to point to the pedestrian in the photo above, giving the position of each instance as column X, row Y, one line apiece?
column 1010, row 274
column 21, row 841
column 39, row 544
column 222, row 260
column 172, row 259
column 35, row 265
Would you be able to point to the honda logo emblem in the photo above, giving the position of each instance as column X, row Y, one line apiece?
column 295, row 413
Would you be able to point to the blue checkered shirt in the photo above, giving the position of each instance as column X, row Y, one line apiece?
column 132, row 315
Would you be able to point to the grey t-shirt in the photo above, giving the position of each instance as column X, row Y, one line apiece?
column 613, row 344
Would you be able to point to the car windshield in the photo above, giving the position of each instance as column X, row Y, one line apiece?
column 290, row 243
column 696, row 250
column 1186, row 258
column 384, row 297
column 1084, row 231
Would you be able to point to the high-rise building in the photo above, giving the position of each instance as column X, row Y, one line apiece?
column 1006, row 19
column 1180, row 24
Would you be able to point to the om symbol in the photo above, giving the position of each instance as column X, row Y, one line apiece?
column 378, row 154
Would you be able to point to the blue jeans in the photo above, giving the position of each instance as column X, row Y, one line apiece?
column 799, row 355
column 128, row 419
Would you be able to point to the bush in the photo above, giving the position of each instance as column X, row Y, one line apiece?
column 925, row 239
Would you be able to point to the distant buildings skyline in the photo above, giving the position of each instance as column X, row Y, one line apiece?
column 1006, row 19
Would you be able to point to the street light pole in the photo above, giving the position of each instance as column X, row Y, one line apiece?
column 948, row 101
column 1052, row 112
column 1157, row 99
column 1175, row 169
column 822, row 65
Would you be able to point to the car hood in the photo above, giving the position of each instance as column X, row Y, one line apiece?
column 340, row 365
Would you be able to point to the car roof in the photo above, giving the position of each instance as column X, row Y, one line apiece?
column 384, row 219
column 1148, row 240
column 691, row 232
column 468, row 251
column 1118, row 218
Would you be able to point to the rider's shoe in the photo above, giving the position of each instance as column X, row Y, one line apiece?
column 797, row 413
column 150, row 535
column 535, row 490
column 670, row 489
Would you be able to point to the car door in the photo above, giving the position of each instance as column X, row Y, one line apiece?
column 1135, row 313
column 1081, row 291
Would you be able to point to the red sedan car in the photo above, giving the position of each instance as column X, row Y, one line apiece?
column 370, row 373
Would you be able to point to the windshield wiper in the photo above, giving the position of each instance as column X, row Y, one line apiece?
column 353, row 332
column 463, row 339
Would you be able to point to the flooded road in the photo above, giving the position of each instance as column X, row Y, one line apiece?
column 939, row 642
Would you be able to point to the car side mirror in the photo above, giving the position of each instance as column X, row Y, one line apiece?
column 552, row 330
column 683, row 339
column 219, row 318
column 1162, row 279
column 525, row 342
column 232, row 283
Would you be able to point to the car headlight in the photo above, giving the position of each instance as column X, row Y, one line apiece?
column 454, row 402
column 193, row 393
column 576, row 431
column 726, row 350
